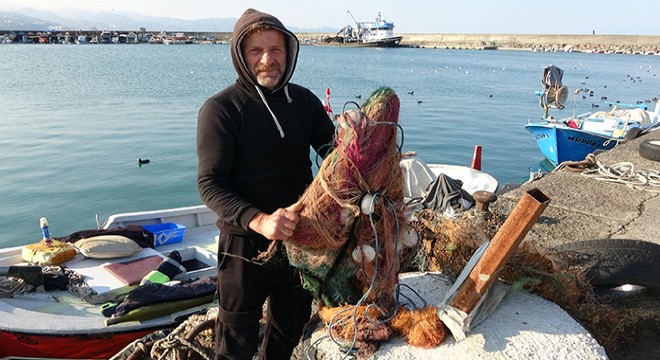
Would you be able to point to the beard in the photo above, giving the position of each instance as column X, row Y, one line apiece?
column 269, row 82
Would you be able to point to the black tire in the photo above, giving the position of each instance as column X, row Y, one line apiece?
column 650, row 149
column 619, row 262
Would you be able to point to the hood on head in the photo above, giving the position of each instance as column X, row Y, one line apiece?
column 249, row 18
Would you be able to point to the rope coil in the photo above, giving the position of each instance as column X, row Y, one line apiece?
column 620, row 173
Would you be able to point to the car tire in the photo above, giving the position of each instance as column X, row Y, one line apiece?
column 617, row 262
column 650, row 149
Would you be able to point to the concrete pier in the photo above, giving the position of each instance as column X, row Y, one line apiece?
column 539, row 42
column 583, row 208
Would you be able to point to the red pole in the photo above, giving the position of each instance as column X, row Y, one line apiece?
column 328, row 108
column 476, row 158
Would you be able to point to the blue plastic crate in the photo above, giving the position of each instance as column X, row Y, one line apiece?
column 166, row 233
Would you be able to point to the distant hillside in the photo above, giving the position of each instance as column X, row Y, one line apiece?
column 18, row 22
column 76, row 19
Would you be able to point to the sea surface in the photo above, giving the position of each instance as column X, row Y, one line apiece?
column 74, row 119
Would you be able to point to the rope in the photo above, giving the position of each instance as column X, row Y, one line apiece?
column 192, row 339
column 10, row 286
column 622, row 173
column 182, row 341
column 76, row 282
column 589, row 161
column 170, row 347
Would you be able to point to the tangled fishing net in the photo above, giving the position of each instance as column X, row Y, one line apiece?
column 361, row 172
column 350, row 238
column 558, row 276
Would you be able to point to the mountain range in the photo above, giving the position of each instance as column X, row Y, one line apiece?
column 25, row 19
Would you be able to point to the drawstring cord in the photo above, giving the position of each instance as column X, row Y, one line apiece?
column 286, row 92
column 263, row 98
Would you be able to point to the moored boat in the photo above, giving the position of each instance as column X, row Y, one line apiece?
column 574, row 137
column 56, row 324
column 375, row 33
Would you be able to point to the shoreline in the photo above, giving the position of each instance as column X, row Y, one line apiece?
column 593, row 43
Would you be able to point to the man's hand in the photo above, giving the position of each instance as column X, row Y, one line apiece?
column 279, row 225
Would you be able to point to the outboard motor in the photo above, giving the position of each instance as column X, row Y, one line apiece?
column 554, row 93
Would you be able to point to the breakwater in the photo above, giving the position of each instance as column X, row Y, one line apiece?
column 584, row 43
column 641, row 44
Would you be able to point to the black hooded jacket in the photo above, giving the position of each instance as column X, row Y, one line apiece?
column 253, row 144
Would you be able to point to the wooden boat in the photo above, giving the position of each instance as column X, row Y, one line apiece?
column 57, row 324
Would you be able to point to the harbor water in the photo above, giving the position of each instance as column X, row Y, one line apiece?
column 75, row 118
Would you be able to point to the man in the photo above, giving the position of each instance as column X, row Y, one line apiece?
column 253, row 148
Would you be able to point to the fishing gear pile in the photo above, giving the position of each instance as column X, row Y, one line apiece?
column 560, row 276
column 352, row 230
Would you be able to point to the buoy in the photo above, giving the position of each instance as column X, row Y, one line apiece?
column 143, row 161
column 364, row 253
column 368, row 204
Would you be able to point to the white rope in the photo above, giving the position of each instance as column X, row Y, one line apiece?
column 272, row 114
column 175, row 343
column 169, row 347
column 625, row 173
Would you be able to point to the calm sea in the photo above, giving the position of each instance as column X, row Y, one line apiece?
column 74, row 119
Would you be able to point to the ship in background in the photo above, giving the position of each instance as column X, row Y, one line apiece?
column 376, row 33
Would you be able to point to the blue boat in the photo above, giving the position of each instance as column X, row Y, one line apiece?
column 573, row 138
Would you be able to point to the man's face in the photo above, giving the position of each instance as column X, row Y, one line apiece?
column 264, row 53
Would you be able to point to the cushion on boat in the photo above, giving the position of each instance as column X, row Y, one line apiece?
column 132, row 271
column 107, row 247
column 48, row 252
column 637, row 115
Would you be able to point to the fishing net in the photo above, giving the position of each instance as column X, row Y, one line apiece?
column 558, row 276
column 352, row 231
column 355, row 204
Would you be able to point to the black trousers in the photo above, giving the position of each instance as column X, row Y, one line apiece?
column 243, row 287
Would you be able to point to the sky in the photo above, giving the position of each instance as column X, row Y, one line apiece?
column 606, row 17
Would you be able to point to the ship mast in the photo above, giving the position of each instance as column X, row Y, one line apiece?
column 360, row 26
column 356, row 23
